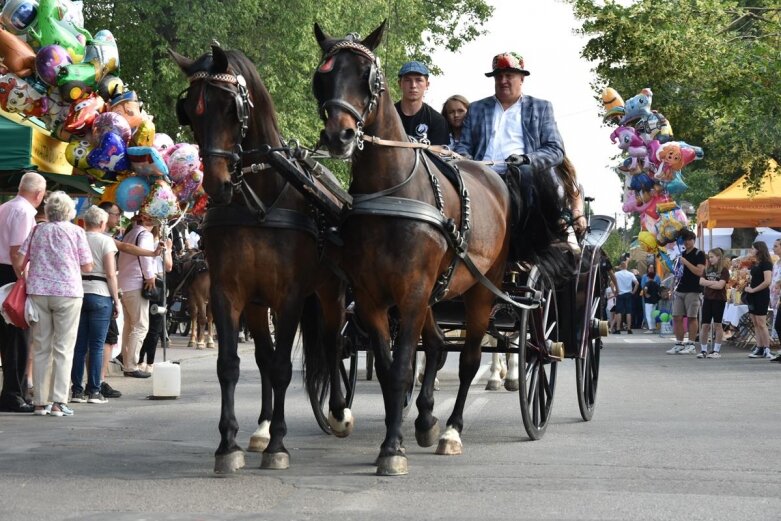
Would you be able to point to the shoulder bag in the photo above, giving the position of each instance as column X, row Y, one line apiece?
column 14, row 305
column 154, row 296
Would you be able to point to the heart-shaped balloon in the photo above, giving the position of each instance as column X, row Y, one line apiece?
column 110, row 155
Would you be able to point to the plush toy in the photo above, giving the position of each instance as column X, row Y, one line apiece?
column 83, row 114
column 613, row 104
column 630, row 143
column 102, row 52
column 16, row 95
column 638, row 106
column 17, row 56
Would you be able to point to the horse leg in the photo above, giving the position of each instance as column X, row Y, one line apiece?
column 202, row 325
column 229, row 457
column 257, row 319
column 193, row 329
column 511, row 382
column 276, row 455
column 495, row 371
column 340, row 417
column 209, row 324
column 426, row 424
column 478, row 302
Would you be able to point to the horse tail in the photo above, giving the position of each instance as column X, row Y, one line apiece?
column 316, row 373
column 540, row 238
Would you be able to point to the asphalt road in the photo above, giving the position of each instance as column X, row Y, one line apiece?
column 673, row 438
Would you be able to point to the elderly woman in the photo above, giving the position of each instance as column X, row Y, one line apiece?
column 58, row 254
column 101, row 302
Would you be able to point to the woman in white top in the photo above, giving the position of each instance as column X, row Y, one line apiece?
column 101, row 302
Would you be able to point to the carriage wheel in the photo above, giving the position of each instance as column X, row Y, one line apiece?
column 348, row 373
column 536, row 372
column 587, row 369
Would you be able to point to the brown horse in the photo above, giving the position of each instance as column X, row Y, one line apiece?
column 264, row 251
column 409, row 229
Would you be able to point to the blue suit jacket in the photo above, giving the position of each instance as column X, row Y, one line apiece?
column 541, row 137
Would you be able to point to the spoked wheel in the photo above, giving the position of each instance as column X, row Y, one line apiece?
column 348, row 376
column 587, row 369
column 536, row 371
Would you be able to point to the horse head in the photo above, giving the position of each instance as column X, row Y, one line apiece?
column 228, row 109
column 348, row 85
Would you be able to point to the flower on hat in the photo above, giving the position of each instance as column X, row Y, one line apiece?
column 507, row 61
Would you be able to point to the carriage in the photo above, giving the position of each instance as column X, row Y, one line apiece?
column 296, row 248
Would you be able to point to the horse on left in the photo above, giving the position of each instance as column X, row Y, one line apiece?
column 265, row 251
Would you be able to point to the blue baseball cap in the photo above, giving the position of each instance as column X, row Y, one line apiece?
column 414, row 68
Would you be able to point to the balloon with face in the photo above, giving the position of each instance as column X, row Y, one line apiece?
column 127, row 106
column 163, row 143
column 16, row 95
column 83, row 113
column 147, row 161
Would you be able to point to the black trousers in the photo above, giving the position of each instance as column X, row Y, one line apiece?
column 13, row 349
column 777, row 321
column 153, row 336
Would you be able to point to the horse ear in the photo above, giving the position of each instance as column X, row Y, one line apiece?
column 183, row 62
column 373, row 40
column 321, row 36
column 219, row 58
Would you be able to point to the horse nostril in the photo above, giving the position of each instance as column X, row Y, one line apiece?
column 324, row 138
column 347, row 135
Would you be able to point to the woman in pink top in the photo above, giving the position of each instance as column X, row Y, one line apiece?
column 58, row 255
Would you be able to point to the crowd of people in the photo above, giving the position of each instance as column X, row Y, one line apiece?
column 77, row 280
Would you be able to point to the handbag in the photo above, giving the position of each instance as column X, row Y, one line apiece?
column 154, row 296
column 14, row 305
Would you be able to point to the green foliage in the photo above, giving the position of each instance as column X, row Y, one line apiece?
column 278, row 37
column 714, row 67
column 617, row 243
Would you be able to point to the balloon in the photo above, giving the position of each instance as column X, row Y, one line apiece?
column 664, row 317
column 17, row 56
column 638, row 106
column 147, row 161
column 161, row 201
column 144, row 135
column 613, row 103
column 183, row 160
column 49, row 61
column 50, row 28
column 127, row 106
column 16, row 95
column 655, row 313
column 110, row 154
column 187, row 188
column 83, row 114
column 19, row 15
column 131, row 193
column 110, row 86
column 654, row 127
column 163, row 142
column 630, row 143
column 676, row 186
column 76, row 80
column 110, row 122
column 102, row 52
column 56, row 115
column 647, row 241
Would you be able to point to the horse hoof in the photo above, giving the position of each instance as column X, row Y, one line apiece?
column 511, row 385
column 493, row 385
column 258, row 443
column 210, row 345
column 428, row 438
column 392, row 466
column 228, row 463
column 190, row 344
column 275, row 460
column 449, row 448
column 341, row 429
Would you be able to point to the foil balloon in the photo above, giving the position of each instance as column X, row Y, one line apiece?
column 187, row 188
column 110, row 86
column 161, row 202
column 647, row 242
column 19, row 16
column 147, row 161
column 131, row 193
column 49, row 61
column 182, row 161
column 163, row 143
column 50, row 28
column 144, row 136
column 16, row 95
column 56, row 115
column 127, row 106
column 109, row 122
column 110, row 154
column 83, row 113
column 676, row 186
column 613, row 104
column 17, row 56
column 638, row 107
column 102, row 52
column 76, row 80
column 76, row 154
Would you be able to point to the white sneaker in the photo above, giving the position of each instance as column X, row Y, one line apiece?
column 714, row 354
column 688, row 349
column 757, row 352
column 674, row 350
column 703, row 354
column 766, row 353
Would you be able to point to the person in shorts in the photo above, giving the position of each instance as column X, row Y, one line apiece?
column 714, row 287
column 627, row 287
column 686, row 301
column 758, row 293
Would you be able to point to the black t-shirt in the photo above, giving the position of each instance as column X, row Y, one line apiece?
column 758, row 275
column 651, row 291
column 690, row 283
column 427, row 123
column 716, row 294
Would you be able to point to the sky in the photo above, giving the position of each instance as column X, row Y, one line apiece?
column 542, row 32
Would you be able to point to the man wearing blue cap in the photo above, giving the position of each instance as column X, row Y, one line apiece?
column 419, row 119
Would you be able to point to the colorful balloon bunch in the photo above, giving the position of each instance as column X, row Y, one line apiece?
column 653, row 163
column 55, row 70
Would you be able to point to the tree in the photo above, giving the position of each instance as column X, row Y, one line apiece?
column 714, row 67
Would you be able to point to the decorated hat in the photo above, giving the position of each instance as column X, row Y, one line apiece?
column 507, row 61
column 123, row 97
column 414, row 67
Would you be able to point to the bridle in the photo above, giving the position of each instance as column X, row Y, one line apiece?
column 376, row 85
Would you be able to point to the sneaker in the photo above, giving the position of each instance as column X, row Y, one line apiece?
column 109, row 392
column 688, row 349
column 96, row 398
column 703, row 354
column 766, row 354
column 629, row 332
column 714, row 354
column 754, row 352
column 674, row 350
column 118, row 361
column 42, row 410
column 78, row 397
column 60, row 409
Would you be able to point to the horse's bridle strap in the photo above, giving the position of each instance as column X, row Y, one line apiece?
column 437, row 149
